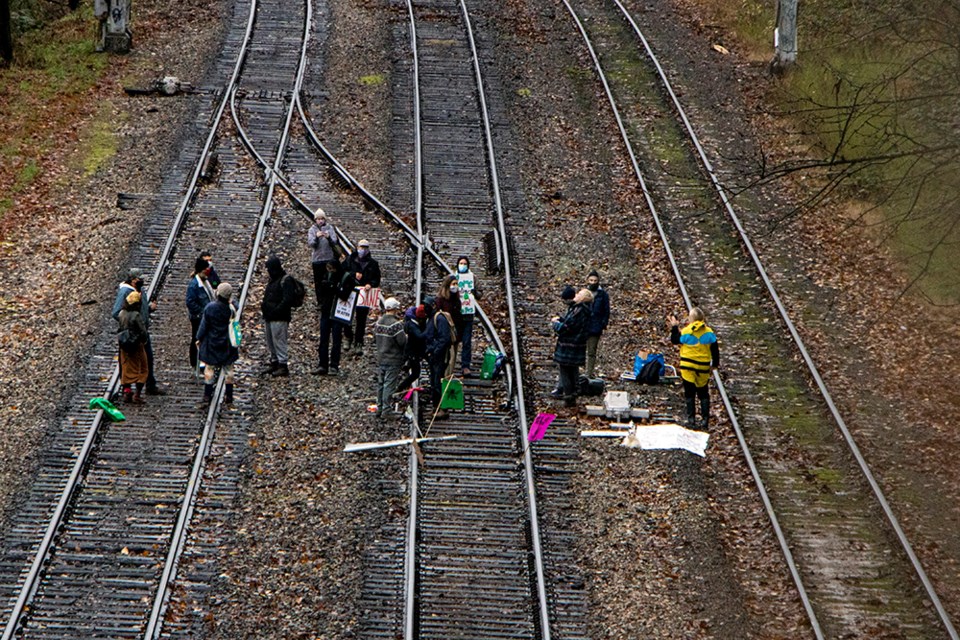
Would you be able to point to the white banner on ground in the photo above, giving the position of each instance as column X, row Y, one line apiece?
column 667, row 436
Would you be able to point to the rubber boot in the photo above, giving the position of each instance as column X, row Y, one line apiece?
column 691, row 412
column 704, row 412
column 228, row 396
column 281, row 371
column 207, row 395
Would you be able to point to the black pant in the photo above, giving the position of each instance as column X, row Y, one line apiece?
column 330, row 358
column 151, row 380
column 690, row 393
column 413, row 364
column 355, row 336
column 319, row 274
column 569, row 374
column 194, row 327
column 438, row 365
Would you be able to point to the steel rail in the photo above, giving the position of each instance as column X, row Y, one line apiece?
column 543, row 603
column 794, row 333
column 187, row 505
column 410, row 617
column 44, row 549
column 761, row 488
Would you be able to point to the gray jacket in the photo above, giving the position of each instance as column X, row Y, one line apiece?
column 391, row 339
column 322, row 251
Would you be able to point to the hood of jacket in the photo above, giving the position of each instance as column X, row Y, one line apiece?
column 275, row 268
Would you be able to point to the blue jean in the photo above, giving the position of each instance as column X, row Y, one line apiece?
column 387, row 385
column 330, row 357
column 466, row 357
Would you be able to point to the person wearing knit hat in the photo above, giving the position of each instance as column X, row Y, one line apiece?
column 599, row 319
column 571, row 349
column 200, row 293
column 391, row 341
column 568, row 293
column 134, row 282
column 324, row 246
column 213, row 343
column 132, row 340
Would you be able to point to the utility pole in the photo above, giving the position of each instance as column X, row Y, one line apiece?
column 785, row 37
column 114, row 16
column 6, row 36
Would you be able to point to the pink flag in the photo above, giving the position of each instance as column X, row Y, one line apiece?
column 409, row 393
column 539, row 427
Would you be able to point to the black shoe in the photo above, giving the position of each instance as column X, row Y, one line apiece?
column 570, row 401
column 269, row 370
column 319, row 371
column 556, row 393
column 155, row 391
column 333, row 371
column 281, row 371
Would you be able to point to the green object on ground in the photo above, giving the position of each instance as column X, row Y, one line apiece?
column 108, row 408
column 489, row 363
column 452, row 395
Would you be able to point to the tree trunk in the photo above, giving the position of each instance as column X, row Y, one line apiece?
column 6, row 37
column 785, row 37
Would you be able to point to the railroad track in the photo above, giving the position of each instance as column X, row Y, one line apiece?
column 117, row 497
column 854, row 568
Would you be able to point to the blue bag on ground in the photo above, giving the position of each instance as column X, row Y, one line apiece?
column 642, row 358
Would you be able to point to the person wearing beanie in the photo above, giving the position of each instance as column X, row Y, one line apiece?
column 134, row 282
column 415, row 326
column 213, row 343
column 324, row 246
column 566, row 296
column 599, row 319
column 200, row 293
column 391, row 341
column 571, row 349
column 132, row 340
column 366, row 271
column 277, row 308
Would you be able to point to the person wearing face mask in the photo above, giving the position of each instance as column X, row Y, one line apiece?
column 599, row 319
column 467, row 292
column 213, row 277
column 366, row 271
column 448, row 300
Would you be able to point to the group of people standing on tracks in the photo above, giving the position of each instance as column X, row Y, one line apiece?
column 439, row 330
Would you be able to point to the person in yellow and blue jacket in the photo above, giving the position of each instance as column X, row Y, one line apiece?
column 699, row 355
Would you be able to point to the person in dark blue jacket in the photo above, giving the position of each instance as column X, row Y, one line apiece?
column 599, row 318
column 213, row 342
column 415, row 325
column 438, row 350
column 200, row 293
column 571, row 349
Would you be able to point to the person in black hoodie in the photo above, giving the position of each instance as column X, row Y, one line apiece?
column 439, row 341
column 415, row 325
column 366, row 271
column 342, row 292
column 327, row 283
column 276, row 308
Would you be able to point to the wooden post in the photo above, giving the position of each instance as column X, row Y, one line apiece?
column 785, row 37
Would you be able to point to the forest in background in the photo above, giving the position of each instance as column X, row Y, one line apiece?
column 873, row 122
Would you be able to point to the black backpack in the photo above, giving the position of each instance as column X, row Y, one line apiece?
column 299, row 293
column 129, row 341
column 650, row 373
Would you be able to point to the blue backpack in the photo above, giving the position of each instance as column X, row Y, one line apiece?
column 648, row 370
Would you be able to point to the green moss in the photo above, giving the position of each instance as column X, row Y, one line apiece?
column 524, row 92
column 100, row 143
column 372, row 80
column 25, row 176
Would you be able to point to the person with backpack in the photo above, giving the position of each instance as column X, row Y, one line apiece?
column 366, row 271
column 415, row 326
column 571, row 349
column 599, row 319
column 699, row 355
column 448, row 301
column 279, row 299
column 200, row 293
column 440, row 332
column 391, row 341
column 213, row 342
column 134, row 282
column 132, row 339
column 468, row 293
